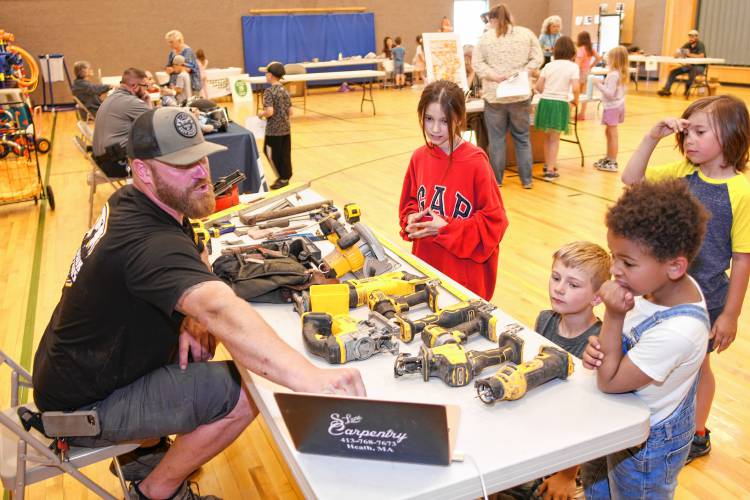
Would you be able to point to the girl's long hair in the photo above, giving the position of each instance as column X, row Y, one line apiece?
column 584, row 40
column 617, row 59
column 452, row 102
column 386, row 48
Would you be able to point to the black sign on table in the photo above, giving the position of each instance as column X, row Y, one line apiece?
column 366, row 428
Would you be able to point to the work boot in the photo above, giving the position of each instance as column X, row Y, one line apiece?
column 700, row 446
column 139, row 463
column 185, row 492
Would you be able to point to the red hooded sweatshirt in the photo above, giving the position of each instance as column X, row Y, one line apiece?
column 466, row 195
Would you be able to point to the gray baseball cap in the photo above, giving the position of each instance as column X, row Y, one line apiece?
column 171, row 135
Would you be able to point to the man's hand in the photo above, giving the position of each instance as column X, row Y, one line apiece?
column 617, row 299
column 195, row 339
column 557, row 487
column 724, row 331
column 416, row 230
column 344, row 381
column 668, row 126
column 592, row 355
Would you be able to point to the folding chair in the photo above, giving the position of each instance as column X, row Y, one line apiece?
column 700, row 82
column 97, row 175
column 26, row 456
column 83, row 112
column 296, row 89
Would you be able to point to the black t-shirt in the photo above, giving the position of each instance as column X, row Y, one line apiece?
column 115, row 321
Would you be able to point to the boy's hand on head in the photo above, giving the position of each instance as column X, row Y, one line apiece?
column 668, row 126
column 592, row 355
column 724, row 331
column 616, row 298
column 417, row 230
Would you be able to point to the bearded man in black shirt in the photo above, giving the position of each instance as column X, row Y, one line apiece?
column 139, row 298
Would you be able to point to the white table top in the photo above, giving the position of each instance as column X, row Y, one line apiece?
column 557, row 425
column 335, row 63
column 333, row 75
column 675, row 60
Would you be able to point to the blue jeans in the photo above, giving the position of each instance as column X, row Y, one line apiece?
column 649, row 471
column 691, row 70
column 514, row 116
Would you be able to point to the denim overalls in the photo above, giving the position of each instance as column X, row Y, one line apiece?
column 649, row 471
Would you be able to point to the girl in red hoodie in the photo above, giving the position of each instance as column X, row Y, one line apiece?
column 450, row 203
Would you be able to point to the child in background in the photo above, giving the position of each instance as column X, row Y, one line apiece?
column 553, row 111
column 200, row 56
column 586, row 58
column 178, row 93
column 655, row 330
column 613, row 101
column 398, row 63
column 714, row 135
column 450, row 206
column 418, row 62
column 277, row 109
column 578, row 270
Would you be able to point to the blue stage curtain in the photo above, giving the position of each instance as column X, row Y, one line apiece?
column 298, row 38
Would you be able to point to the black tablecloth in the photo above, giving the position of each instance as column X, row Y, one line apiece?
column 242, row 154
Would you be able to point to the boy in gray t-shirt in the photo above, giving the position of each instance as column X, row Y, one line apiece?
column 578, row 270
column 182, row 90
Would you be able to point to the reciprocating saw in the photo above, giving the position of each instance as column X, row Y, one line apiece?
column 455, row 365
column 451, row 316
column 512, row 380
column 340, row 339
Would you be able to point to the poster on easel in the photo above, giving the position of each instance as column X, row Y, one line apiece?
column 444, row 58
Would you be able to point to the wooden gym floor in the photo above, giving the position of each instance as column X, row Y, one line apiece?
column 357, row 157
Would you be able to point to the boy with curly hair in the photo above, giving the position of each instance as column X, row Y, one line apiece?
column 655, row 330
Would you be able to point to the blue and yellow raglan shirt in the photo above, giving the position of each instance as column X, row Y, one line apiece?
column 728, row 231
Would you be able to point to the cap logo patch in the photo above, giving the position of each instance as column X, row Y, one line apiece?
column 185, row 125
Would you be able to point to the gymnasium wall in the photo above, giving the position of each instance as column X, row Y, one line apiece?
column 113, row 34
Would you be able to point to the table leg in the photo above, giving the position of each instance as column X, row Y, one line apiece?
column 365, row 98
column 577, row 139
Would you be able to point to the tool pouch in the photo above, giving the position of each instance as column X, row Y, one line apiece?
column 259, row 278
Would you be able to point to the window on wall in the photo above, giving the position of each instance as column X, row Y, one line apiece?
column 466, row 20
column 723, row 28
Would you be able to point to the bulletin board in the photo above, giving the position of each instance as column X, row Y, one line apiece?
column 587, row 11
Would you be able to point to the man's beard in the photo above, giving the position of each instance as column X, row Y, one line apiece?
column 188, row 202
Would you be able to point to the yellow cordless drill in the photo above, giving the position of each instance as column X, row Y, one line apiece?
column 340, row 339
column 455, row 365
column 451, row 316
column 426, row 292
column 513, row 380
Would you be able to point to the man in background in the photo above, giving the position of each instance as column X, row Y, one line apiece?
column 691, row 49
